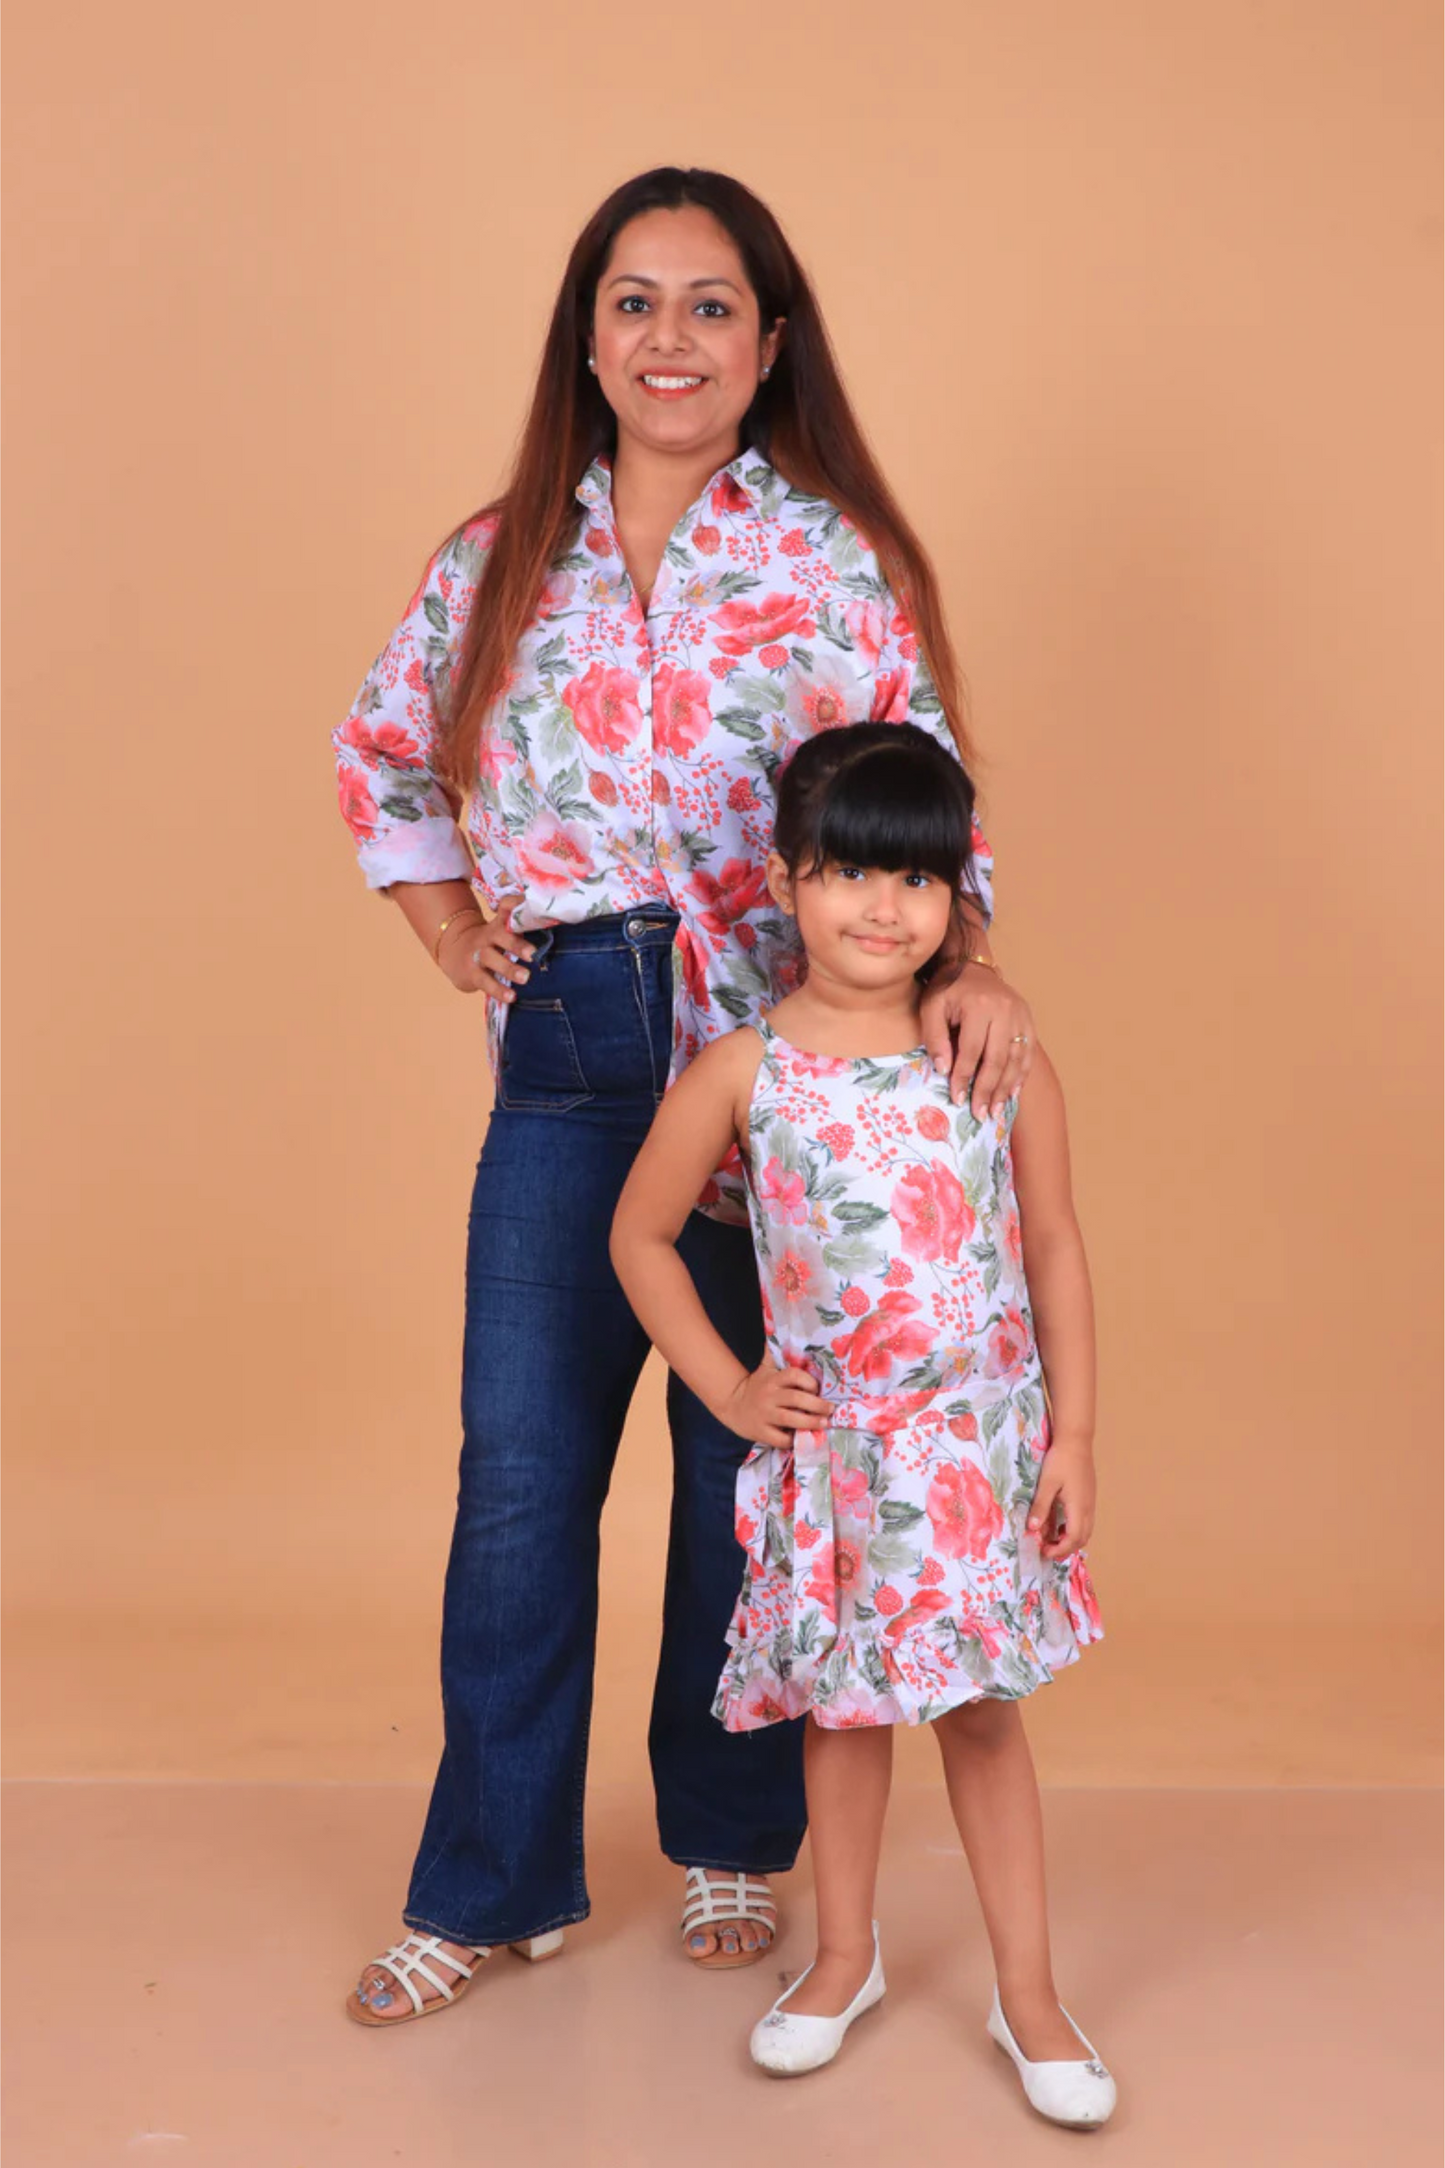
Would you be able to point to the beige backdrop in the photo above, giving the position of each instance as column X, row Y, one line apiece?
column 1141, row 306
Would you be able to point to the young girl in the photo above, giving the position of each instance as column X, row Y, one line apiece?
column 922, row 1477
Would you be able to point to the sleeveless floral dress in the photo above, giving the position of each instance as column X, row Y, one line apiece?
column 890, row 1575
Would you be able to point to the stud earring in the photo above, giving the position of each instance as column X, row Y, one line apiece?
column 592, row 364
column 767, row 373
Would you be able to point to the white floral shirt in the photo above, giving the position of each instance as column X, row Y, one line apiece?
column 630, row 758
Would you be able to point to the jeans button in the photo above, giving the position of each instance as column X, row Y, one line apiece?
column 634, row 928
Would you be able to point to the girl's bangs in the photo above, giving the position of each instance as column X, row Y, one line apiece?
column 888, row 810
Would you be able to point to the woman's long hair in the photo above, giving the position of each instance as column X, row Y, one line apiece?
column 800, row 420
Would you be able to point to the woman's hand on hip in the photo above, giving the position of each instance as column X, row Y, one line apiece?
column 977, row 1028
column 487, row 957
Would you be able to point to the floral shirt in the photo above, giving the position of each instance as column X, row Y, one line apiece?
column 631, row 757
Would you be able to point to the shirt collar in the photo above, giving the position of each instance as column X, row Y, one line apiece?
column 750, row 473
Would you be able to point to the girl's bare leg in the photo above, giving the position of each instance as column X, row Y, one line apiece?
column 995, row 1799
column 848, row 1774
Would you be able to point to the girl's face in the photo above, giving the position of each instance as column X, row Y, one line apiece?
column 676, row 335
column 865, row 931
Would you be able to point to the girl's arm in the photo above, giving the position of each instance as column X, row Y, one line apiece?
column 1057, row 1272
column 696, row 1124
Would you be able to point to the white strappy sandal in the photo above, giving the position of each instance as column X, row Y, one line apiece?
column 713, row 1902
column 414, row 1958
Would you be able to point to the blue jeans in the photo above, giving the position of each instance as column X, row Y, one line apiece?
column 552, row 1356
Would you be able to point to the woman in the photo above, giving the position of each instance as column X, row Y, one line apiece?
column 608, row 666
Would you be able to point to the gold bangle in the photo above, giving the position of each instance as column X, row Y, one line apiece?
column 987, row 962
column 450, row 920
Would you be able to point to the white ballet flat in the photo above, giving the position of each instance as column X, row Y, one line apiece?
column 1081, row 2095
column 787, row 2046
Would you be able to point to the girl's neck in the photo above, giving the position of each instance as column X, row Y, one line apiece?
column 819, row 1024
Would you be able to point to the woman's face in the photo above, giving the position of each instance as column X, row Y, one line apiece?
column 676, row 335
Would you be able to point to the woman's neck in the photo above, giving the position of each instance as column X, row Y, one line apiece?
column 650, row 492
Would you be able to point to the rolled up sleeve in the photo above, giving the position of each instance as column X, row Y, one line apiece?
column 388, row 780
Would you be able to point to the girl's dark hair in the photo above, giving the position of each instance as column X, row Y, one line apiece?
column 876, row 794
column 800, row 420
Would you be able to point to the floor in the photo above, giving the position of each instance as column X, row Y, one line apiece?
column 1261, row 1968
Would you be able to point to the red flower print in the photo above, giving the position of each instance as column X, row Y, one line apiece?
column 965, row 1514
column 890, row 697
column 1008, row 1345
column 730, row 496
column 854, row 1301
column 784, row 1192
column 557, row 591
column 927, row 1604
column 681, row 713
column 386, row 743
column 694, row 966
column 930, row 1573
column 986, row 1630
column 358, row 807
column 964, row 1427
column 721, row 666
column 849, row 1485
column 553, row 855
column 602, row 787
column 888, row 1601
column 494, row 758
column 805, row 1535
column 744, row 1528
column 898, row 1274
column 747, row 935
column 772, row 657
column 838, row 1136
column 738, row 888
column 837, row 1569
column 888, row 1336
column 598, row 541
column 933, row 1215
column 742, row 798
column 604, row 707
column 1011, row 1236
column 932, row 1122
column 707, row 539
column 747, row 625
column 824, row 706
column 661, row 788
column 869, row 627
column 794, row 543
column 792, row 1276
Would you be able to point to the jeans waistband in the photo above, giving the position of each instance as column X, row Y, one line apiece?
column 652, row 925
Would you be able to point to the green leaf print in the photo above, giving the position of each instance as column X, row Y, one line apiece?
column 780, row 1542
column 853, row 1256
column 736, row 1003
column 401, row 809
column 803, row 657
column 896, row 1513
column 859, row 1213
column 994, row 1419
column 551, row 654
column 696, row 849
column 764, row 694
column 742, row 723
column 827, row 1317
column 468, row 559
column 992, row 1271
column 805, row 1637
column 891, row 1554
column 436, row 612
column 872, row 1668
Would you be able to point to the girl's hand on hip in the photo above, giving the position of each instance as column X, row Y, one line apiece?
column 994, row 1034
column 768, row 1404
column 1062, row 1514
column 488, row 958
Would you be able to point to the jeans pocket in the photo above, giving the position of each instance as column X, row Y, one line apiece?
column 540, row 1072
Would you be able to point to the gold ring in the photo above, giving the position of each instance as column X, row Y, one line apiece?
column 1020, row 1038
